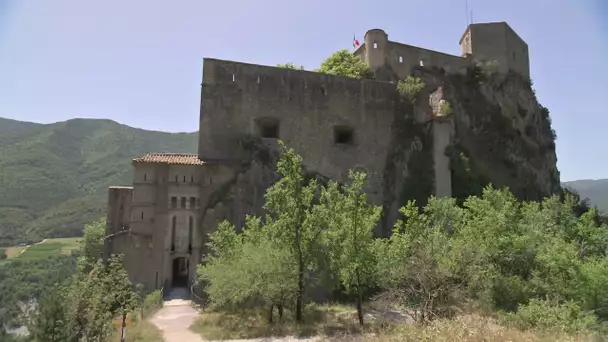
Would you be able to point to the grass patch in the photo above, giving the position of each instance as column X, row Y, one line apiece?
column 325, row 320
column 140, row 330
column 50, row 247
column 12, row 252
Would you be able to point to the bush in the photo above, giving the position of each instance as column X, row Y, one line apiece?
column 567, row 317
column 290, row 66
column 2, row 253
column 410, row 87
column 152, row 302
column 445, row 108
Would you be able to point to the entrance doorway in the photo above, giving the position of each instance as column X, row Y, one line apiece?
column 180, row 272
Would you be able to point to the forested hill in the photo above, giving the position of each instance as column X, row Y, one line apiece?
column 594, row 189
column 54, row 178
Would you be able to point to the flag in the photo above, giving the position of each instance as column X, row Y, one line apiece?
column 355, row 42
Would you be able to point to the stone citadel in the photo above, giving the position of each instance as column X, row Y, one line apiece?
column 336, row 123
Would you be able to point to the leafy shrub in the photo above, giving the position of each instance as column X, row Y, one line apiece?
column 152, row 302
column 410, row 87
column 445, row 108
column 290, row 66
column 567, row 317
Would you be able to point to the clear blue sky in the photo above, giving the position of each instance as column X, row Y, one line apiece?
column 139, row 62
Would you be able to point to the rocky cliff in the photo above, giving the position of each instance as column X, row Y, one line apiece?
column 498, row 133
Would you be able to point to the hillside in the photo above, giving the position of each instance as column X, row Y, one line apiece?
column 54, row 178
column 594, row 189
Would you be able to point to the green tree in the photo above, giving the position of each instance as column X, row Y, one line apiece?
column 93, row 240
column 350, row 221
column 290, row 218
column 248, row 267
column 48, row 322
column 96, row 297
column 345, row 63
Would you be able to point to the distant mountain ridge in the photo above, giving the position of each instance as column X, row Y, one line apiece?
column 54, row 177
column 594, row 189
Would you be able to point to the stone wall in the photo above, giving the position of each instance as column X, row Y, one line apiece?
column 311, row 110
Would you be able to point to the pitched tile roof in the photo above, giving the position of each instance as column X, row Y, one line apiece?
column 170, row 158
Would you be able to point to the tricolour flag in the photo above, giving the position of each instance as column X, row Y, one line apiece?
column 355, row 42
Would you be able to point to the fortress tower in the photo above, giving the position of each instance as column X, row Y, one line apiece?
column 480, row 42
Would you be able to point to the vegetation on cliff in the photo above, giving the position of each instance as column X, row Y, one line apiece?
column 527, row 265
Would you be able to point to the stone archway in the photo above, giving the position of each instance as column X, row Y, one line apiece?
column 180, row 272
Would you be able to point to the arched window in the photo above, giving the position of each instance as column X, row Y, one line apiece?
column 173, row 227
column 190, row 232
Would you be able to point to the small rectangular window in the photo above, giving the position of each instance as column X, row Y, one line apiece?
column 192, row 202
column 173, row 202
column 142, row 215
column 268, row 127
column 184, row 179
column 375, row 45
column 184, row 202
column 343, row 135
column 145, row 177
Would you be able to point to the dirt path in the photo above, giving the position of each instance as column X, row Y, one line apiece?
column 177, row 315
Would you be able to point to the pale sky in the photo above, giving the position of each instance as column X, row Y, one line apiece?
column 139, row 62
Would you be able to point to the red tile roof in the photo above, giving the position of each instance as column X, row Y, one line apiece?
column 170, row 158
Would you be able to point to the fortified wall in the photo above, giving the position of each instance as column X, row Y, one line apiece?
column 409, row 147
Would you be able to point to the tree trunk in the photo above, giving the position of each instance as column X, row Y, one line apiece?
column 270, row 313
column 280, row 307
column 123, row 334
column 300, row 293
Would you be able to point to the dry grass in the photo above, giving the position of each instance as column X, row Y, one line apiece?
column 339, row 323
column 140, row 331
column 473, row 328
column 318, row 320
column 12, row 252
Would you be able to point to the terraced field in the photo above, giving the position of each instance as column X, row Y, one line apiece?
column 46, row 248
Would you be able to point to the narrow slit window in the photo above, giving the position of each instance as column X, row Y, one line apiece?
column 145, row 177
column 173, row 228
column 421, row 62
column 400, row 59
column 184, row 179
column 233, row 77
column 191, row 179
column 142, row 215
column 343, row 135
column 176, row 178
column 190, row 232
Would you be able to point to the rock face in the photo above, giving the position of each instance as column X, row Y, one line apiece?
column 458, row 134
